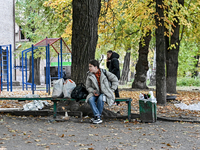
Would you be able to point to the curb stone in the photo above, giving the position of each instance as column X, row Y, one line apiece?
column 133, row 116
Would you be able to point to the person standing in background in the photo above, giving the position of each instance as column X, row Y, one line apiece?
column 113, row 67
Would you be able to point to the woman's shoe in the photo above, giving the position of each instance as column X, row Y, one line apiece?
column 97, row 120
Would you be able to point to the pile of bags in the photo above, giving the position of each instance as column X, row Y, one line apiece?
column 36, row 104
column 63, row 88
column 68, row 89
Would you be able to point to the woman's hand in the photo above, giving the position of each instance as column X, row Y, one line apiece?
column 96, row 93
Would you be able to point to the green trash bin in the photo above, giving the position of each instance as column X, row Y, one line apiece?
column 147, row 110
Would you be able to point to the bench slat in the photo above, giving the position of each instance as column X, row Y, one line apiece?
column 25, row 98
column 55, row 100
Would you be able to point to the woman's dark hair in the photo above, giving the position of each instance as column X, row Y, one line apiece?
column 110, row 51
column 94, row 63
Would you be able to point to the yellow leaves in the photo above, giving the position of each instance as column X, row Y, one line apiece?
column 57, row 3
column 62, row 135
column 28, row 142
column 43, row 144
column 160, row 6
column 68, row 29
column 5, row 139
column 54, row 143
column 124, row 16
column 37, row 140
column 168, row 144
column 91, row 134
column 163, row 130
column 12, row 131
column 63, row 11
column 93, row 126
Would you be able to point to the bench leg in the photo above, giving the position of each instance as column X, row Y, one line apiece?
column 54, row 109
column 129, row 109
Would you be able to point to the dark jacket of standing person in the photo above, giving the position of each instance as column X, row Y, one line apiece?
column 113, row 64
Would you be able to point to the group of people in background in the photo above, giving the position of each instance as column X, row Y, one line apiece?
column 101, row 85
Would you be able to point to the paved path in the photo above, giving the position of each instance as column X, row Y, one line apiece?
column 30, row 133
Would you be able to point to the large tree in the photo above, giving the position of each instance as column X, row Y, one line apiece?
column 126, row 68
column 160, row 54
column 172, row 53
column 142, row 64
column 84, row 36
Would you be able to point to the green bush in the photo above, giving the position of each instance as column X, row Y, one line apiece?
column 186, row 81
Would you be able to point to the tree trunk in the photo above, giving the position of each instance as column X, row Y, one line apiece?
column 132, row 73
column 160, row 55
column 142, row 64
column 153, row 74
column 36, row 71
column 172, row 66
column 195, row 72
column 84, row 36
column 126, row 68
column 172, row 57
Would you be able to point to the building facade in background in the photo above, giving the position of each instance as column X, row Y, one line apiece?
column 7, row 25
column 7, row 22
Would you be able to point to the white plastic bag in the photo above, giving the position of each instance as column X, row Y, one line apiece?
column 189, row 107
column 29, row 106
column 68, row 87
column 58, row 88
column 35, row 105
column 150, row 97
column 38, row 104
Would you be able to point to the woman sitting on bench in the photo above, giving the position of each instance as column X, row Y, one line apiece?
column 100, row 87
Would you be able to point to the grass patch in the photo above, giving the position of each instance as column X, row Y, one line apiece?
column 181, row 81
column 186, row 81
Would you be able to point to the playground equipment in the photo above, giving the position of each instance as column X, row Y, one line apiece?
column 5, row 65
column 24, row 69
column 47, row 42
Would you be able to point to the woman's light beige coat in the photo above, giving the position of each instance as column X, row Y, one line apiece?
column 106, row 89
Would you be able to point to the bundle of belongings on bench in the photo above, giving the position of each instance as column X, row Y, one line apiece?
column 69, row 89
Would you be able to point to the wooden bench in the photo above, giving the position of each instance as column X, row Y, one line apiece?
column 55, row 100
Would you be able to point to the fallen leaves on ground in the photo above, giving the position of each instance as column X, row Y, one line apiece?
column 18, row 104
column 169, row 110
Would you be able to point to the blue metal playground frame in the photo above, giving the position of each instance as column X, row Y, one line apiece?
column 48, row 77
column 5, row 65
column 33, row 86
column 24, row 52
